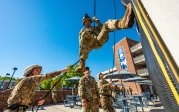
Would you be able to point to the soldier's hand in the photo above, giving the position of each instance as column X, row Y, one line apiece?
column 65, row 70
column 98, row 102
column 95, row 19
column 84, row 103
column 41, row 102
column 110, row 83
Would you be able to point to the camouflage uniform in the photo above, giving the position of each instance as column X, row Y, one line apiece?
column 92, row 38
column 88, row 91
column 106, row 98
column 101, row 82
column 25, row 90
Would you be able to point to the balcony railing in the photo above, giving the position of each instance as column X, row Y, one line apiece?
column 136, row 47
column 139, row 59
column 143, row 72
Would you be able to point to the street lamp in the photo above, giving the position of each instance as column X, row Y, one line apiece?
column 4, row 79
column 11, row 77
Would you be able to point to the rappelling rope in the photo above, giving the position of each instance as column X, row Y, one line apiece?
column 114, row 40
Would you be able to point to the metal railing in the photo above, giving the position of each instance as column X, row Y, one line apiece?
column 143, row 72
column 136, row 47
column 139, row 59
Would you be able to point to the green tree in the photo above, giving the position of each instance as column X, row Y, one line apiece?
column 48, row 84
column 71, row 73
column 7, row 78
column 59, row 85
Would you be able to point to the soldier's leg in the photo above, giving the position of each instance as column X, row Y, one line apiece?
column 126, row 22
column 128, row 19
column 107, row 105
column 95, row 106
column 83, row 56
column 83, row 51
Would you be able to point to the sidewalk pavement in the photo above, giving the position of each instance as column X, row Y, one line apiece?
column 61, row 108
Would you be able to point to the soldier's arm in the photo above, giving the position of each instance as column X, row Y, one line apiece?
column 100, row 25
column 82, row 89
column 81, row 31
column 106, row 84
column 104, row 89
column 41, row 78
column 99, row 84
column 97, row 89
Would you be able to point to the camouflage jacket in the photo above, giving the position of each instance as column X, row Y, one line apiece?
column 90, row 34
column 88, row 88
column 102, row 82
column 106, row 91
column 92, row 30
column 25, row 89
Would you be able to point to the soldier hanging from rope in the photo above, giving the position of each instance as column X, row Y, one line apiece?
column 94, row 37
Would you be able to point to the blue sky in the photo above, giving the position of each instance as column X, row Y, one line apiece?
column 45, row 32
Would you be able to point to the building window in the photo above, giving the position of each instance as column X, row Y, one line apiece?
column 122, row 58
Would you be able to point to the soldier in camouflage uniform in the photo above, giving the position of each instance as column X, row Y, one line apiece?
column 20, row 97
column 88, row 92
column 106, row 97
column 94, row 37
column 101, row 81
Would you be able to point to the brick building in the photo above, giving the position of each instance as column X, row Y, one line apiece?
column 129, row 56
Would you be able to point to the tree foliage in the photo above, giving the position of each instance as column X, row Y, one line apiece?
column 71, row 73
column 7, row 78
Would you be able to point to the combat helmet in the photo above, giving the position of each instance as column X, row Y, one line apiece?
column 29, row 69
column 86, row 17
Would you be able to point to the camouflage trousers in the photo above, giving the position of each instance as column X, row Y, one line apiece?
column 90, row 41
column 91, row 107
column 107, row 105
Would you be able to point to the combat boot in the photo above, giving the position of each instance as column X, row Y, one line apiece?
column 128, row 19
column 81, row 67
